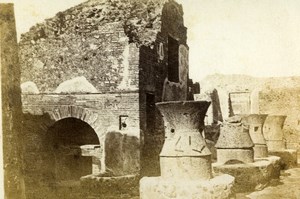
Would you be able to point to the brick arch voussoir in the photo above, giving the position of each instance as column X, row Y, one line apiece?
column 81, row 113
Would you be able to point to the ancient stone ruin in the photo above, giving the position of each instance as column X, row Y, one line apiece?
column 235, row 156
column 97, row 103
column 273, row 132
column 234, row 144
column 255, row 123
column 91, row 76
column 185, row 159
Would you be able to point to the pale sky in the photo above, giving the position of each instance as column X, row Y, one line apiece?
column 253, row 37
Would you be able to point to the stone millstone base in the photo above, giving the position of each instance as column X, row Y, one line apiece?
column 219, row 187
column 288, row 158
column 251, row 176
column 226, row 156
column 260, row 151
column 110, row 186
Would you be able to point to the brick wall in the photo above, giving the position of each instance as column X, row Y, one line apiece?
column 103, row 56
column 96, row 39
column 121, row 48
column 100, row 111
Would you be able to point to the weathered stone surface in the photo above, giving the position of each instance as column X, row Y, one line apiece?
column 95, row 28
column 235, row 156
column 234, row 144
column 184, row 154
column 255, row 122
column 177, row 91
column 121, row 48
column 288, row 158
column 214, row 113
column 260, row 150
column 186, row 168
column 273, row 132
column 234, row 135
column 102, row 186
column 11, row 105
column 183, row 121
column 251, row 176
column 274, row 95
column 219, row 187
column 122, row 154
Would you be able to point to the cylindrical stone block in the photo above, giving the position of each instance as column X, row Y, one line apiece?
column 186, row 167
column 255, row 123
column 273, row 132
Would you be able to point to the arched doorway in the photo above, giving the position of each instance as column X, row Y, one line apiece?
column 75, row 149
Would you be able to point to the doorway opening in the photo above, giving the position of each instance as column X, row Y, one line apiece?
column 75, row 146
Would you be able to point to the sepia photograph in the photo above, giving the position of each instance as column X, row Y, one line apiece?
column 150, row 99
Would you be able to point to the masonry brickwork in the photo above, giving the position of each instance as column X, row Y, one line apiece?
column 121, row 51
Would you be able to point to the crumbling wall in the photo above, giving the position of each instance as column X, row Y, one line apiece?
column 97, row 39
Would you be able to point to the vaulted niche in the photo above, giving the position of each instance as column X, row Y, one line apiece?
column 70, row 139
column 173, row 63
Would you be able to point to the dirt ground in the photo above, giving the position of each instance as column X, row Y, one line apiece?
column 287, row 187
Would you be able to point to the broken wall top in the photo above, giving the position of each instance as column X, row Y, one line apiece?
column 99, row 41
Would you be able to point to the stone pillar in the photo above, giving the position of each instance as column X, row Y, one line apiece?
column 234, row 144
column 273, row 132
column 184, row 154
column 255, row 122
column 11, row 104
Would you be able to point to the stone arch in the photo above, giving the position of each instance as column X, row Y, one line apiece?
column 74, row 148
column 86, row 115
